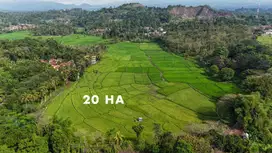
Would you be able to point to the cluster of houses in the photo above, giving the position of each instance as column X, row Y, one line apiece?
column 268, row 32
column 98, row 31
column 151, row 32
column 266, row 29
column 20, row 27
column 58, row 63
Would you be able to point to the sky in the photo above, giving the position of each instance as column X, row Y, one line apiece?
column 155, row 2
column 165, row 1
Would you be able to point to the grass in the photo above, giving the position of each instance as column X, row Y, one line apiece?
column 15, row 35
column 266, row 40
column 74, row 39
column 158, row 86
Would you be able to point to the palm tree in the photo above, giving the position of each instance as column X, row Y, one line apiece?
column 118, row 138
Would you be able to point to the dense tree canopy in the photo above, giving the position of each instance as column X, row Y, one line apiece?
column 28, row 74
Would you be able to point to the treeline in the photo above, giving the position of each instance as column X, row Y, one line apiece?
column 19, row 133
column 53, row 30
column 124, row 21
column 32, row 69
column 251, row 113
column 202, row 37
column 249, row 15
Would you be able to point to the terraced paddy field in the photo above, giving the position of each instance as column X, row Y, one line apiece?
column 158, row 86
column 74, row 39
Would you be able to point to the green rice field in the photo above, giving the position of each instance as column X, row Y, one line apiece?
column 74, row 39
column 266, row 40
column 15, row 35
column 158, row 86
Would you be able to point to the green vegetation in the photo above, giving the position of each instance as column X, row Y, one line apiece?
column 158, row 86
column 53, row 30
column 77, row 39
column 27, row 80
column 15, row 35
column 31, row 69
column 41, row 98
column 74, row 39
column 266, row 40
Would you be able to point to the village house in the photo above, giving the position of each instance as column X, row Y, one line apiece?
column 268, row 32
column 149, row 31
column 93, row 61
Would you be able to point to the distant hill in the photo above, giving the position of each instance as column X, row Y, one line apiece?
column 42, row 6
column 199, row 11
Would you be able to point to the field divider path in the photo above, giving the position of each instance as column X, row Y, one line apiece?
column 84, row 118
column 150, row 60
column 90, row 90
column 72, row 90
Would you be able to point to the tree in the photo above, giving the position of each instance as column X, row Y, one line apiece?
column 262, row 84
column 118, row 138
column 269, row 71
column 227, row 74
column 5, row 149
column 113, row 141
column 34, row 144
column 182, row 147
column 166, row 142
column 225, row 107
column 199, row 144
column 214, row 70
column 138, row 129
column 221, row 51
column 228, row 143
column 157, row 131
column 253, row 116
column 61, row 136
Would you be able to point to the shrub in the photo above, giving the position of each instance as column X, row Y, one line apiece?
column 226, row 74
column 214, row 70
column 182, row 146
column 200, row 145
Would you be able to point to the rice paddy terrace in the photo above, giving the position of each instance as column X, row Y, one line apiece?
column 158, row 86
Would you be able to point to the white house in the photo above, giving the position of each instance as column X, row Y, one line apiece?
column 268, row 32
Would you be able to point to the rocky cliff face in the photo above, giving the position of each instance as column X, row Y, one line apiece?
column 199, row 12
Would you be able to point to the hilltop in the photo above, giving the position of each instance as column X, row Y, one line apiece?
column 198, row 11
